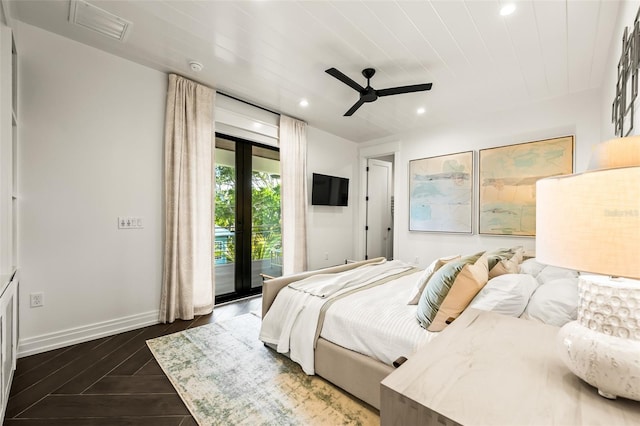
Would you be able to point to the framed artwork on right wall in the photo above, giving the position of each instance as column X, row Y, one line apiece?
column 508, row 176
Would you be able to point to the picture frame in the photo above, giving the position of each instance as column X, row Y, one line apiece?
column 507, row 183
column 441, row 193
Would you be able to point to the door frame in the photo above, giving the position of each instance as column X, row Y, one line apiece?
column 374, row 151
column 371, row 217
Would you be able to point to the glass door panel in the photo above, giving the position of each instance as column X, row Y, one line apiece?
column 266, row 236
column 225, row 217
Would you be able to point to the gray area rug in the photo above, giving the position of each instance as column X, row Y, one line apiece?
column 226, row 376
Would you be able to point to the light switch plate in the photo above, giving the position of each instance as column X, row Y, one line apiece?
column 130, row 222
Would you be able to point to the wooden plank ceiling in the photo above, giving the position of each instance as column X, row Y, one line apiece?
column 274, row 53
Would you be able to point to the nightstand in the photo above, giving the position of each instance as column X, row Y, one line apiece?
column 490, row 369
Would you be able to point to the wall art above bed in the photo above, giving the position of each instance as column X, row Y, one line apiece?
column 441, row 193
column 508, row 176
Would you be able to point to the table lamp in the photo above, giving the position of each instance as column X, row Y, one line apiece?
column 590, row 222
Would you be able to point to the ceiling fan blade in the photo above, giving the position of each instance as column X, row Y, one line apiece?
column 354, row 108
column 343, row 78
column 404, row 89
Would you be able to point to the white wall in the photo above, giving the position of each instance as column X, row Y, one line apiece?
column 577, row 115
column 331, row 229
column 90, row 150
column 626, row 17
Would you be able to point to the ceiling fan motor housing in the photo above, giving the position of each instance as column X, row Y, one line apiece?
column 369, row 95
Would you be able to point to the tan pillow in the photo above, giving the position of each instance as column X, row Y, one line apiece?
column 518, row 254
column 505, row 267
column 424, row 278
column 468, row 283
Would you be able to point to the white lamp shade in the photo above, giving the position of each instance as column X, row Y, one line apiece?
column 590, row 221
column 619, row 152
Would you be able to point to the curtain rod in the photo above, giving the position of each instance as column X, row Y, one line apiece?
column 247, row 102
column 254, row 105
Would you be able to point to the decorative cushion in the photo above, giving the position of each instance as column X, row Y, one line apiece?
column 515, row 253
column 437, row 288
column 507, row 266
column 506, row 294
column 519, row 254
column 422, row 281
column 554, row 303
column 467, row 284
column 494, row 258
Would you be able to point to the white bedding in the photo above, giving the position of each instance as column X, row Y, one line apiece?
column 291, row 322
column 378, row 322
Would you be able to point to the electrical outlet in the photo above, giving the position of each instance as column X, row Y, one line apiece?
column 36, row 299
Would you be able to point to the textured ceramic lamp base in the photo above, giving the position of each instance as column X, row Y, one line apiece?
column 603, row 346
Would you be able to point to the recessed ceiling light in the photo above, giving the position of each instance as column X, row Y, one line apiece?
column 507, row 9
column 304, row 103
column 421, row 111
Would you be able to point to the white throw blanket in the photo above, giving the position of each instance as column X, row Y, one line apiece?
column 291, row 322
column 325, row 285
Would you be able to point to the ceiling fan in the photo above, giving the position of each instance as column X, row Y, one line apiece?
column 369, row 94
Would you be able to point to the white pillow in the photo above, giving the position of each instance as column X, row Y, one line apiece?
column 414, row 297
column 554, row 303
column 531, row 267
column 506, row 294
column 550, row 273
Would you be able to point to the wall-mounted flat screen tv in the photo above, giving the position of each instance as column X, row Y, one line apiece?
column 329, row 190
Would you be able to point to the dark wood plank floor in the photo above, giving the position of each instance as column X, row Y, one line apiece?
column 110, row 381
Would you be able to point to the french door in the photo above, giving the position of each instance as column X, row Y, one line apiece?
column 247, row 217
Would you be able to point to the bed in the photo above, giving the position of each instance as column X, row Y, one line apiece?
column 361, row 332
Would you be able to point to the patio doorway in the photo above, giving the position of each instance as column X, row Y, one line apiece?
column 247, row 217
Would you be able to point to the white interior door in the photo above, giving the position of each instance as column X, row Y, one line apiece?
column 379, row 240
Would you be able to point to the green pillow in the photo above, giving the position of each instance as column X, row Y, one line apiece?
column 438, row 286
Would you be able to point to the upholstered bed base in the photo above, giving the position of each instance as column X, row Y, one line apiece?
column 357, row 374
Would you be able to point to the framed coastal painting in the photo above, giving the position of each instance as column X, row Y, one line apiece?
column 508, row 176
column 441, row 193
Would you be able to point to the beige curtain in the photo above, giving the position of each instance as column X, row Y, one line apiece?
column 188, row 279
column 293, row 164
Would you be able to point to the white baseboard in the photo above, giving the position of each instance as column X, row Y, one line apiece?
column 72, row 336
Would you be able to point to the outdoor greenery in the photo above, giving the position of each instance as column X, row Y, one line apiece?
column 265, row 201
column 225, row 197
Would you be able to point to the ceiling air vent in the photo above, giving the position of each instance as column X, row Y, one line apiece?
column 99, row 20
